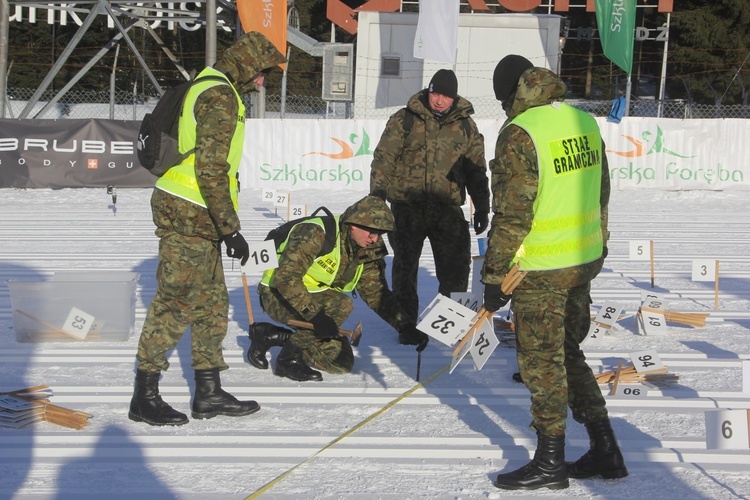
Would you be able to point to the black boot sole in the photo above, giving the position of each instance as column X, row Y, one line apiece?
column 315, row 377
column 212, row 414
column 137, row 418
column 559, row 485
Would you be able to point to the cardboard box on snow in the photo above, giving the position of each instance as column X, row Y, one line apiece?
column 75, row 306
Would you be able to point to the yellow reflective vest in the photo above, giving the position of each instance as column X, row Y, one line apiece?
column 323, row 271
column 566, row 230
column 181, row 180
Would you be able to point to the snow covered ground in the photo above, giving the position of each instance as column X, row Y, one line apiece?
column 342, row 438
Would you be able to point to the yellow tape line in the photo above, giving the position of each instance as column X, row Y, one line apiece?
column 361, row 424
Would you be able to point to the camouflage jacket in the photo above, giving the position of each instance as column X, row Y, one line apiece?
column 438, row 161
column 216, row 110
column 515, row 177
column 303, row 245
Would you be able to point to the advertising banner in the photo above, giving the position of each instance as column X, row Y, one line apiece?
column 289, row 155
column 70, row 153
column 671, row 154
column 437, row 31
column 616, row 22
column 643, row 153
column 265, row 17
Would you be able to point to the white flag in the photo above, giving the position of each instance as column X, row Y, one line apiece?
column 437, row 31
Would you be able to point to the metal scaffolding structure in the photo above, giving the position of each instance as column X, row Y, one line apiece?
column 124, row 16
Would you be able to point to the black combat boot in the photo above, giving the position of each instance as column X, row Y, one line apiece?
column 290, row 364
column 146, row 404
column 211, row 400
column 546, row 470
column 603, row 458
column 262, row 337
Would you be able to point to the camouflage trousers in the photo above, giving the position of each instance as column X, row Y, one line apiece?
column 448, row 231
column 550, row 326
column 190, row 291
column 332, row 356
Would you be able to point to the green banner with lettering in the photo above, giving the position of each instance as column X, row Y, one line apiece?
column 616, row 22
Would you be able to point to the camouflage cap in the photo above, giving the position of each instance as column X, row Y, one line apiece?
column 370, row 212
column 247, row 56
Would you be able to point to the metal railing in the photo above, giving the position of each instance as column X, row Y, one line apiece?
column 129, row 106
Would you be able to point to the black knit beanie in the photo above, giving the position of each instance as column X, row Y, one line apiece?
column 507, row 72
column 444, row 82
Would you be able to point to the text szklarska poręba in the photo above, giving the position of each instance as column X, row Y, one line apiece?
column 300, row 173
column 674, row 172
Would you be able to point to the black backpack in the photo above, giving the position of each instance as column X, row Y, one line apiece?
column 157, row 136
column 280, row 234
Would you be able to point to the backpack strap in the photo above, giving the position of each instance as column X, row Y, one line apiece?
column 329, row 226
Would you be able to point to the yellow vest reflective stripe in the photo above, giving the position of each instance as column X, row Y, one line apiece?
column 180, row 180
column 566, row 231
column 323, row 270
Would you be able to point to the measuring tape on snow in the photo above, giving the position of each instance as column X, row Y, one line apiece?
column 387, row 407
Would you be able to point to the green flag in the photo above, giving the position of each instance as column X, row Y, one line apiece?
column 616, row 22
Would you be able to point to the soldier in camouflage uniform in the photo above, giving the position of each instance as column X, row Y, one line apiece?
column 558, row 234
column 430, row 154
column 314, row 288
column 194, row 208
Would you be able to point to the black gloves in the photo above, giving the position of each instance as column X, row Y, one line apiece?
column 409, row 335
column 481, row 221
column 237, row 247
column 324, row 326
column 605, row 252
column 494, row 298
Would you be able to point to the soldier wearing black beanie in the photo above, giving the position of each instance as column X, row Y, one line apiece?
column 507, row 72
column 444, row 82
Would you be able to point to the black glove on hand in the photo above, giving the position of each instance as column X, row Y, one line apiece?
column 237, row 247
column 324, row 326
column 494, row 298
column 481, row 221
column 605, row 252
column 409, row 335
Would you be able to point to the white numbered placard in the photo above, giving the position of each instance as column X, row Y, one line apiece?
column 652, row 323
column 483, row 344
column 461, row 354
column 268, row 196
column 657, row 305
column 595, row 335
column 262, row 256
column 640, row 250
column 646, row 361
column 727, row 430
column 446, row 320
column 746, row 376
column 608, row 314
column 468, row 299
column 704, row 270
column 632, row 391
column 297, row 211
column 281, row 199
column 78, row 323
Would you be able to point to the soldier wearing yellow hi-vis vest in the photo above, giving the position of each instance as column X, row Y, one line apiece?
column 550, row 186
column 194, row 207
column 318, row 267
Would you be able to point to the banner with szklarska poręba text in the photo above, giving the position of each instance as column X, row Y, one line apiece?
column 70, row 154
